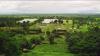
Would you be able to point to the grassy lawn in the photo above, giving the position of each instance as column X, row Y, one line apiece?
column 58, row 49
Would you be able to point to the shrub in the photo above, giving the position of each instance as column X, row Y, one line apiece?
column 26, row 44
column 37, row 39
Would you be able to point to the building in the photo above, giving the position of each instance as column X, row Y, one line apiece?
column 49, row 20
column 26, row 20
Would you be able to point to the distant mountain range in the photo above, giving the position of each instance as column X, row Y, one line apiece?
column 97, row 15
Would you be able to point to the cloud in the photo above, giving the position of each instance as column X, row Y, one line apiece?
column 49, row 0
column 50, row 7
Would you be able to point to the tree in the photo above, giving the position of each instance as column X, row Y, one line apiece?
column 9, row 45
column 25, row 26
column 55, row 21
column 51, row 38
column 60, row 21
column 85, row 44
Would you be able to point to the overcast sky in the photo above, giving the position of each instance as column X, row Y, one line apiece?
column 54, row 6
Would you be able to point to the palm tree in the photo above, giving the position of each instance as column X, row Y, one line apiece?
column 25, row 26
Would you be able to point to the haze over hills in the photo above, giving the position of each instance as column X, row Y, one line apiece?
column 82, row 15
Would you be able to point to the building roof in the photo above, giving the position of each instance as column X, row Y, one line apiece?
column 48, row 20
column 30, row 20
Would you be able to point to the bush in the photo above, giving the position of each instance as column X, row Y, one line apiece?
column 85, row 44
column 37, row 39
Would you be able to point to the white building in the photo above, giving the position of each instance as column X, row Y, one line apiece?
column 26, row 20
column 48, row 20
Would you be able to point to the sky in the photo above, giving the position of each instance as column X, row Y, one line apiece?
column 49, row 6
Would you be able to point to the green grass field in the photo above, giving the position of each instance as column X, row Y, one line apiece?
column 58, row 49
